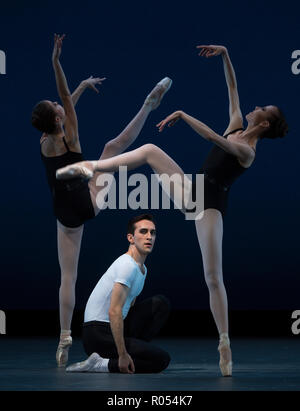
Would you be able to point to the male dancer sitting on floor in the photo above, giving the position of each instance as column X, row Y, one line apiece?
column 115, row 341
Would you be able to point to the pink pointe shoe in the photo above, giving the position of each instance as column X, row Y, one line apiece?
column 84, row 169
column 156, row 95
column 225, row 364
column 62, row 352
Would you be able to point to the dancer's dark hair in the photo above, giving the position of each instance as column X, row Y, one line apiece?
column 43, row 118
column 278, row 126
column 134, row 220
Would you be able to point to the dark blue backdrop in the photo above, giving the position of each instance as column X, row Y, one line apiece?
column 135, row 44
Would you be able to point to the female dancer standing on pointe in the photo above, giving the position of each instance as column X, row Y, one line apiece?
column 227, row 160
column 75, row 202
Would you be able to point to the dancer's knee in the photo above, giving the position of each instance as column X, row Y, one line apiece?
column 150, row 149
column 69, row 230
column 161, row 361
column 213, row 279
column 161, row 303
column 68, row 279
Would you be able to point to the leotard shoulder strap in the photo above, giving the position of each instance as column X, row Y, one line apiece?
column 233, row 131
column 65, row 143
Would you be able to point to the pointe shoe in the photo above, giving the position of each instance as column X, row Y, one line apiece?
column 156, row 95
column 62, row 352
column 89, row 365
column 76, row 170
column 225, row 365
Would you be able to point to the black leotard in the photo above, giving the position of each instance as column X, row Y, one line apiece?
column 71, row 199
column 220, row 170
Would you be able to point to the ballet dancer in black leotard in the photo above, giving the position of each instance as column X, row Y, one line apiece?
column 231, row 155
column 74, row 202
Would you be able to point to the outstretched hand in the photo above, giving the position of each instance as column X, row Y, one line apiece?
column 170, row 120
column 212, row 50
column 58, row 40
column 92, row 81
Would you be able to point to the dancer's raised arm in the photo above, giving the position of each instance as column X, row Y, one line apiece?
column 240, row 150
column 235, row 115
column 90, row 82
column 70, row 123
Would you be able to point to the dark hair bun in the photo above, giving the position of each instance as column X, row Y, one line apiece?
column 43, row 118
column 278, row 126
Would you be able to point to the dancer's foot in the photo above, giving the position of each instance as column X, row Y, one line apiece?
column 63, row 351
column 225, row 355
column 154, row 98
column 84, row 169
column 94, row 363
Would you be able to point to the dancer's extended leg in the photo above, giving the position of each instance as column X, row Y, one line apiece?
column 68, row 244
column 210, row 234
column 150, row 154
column 119, row 144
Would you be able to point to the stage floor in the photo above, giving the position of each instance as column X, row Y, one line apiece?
column 28, row 364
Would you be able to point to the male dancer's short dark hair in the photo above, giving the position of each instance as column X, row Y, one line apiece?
column 134, row 220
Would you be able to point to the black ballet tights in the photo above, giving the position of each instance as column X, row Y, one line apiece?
column 142, row 323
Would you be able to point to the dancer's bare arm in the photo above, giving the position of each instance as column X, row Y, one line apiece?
column 71, row 125
column 118, row 298
column 242, row 151
column 235, row 114
column 90, row 82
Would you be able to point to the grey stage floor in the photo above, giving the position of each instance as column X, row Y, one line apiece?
column 259, row 365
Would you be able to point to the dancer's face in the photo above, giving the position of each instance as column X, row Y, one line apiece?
column 144, row 236
column 58, row 109
column 261, row 115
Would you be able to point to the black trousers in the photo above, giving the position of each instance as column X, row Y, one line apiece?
column 143, row 322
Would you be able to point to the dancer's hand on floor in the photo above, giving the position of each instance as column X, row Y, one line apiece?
column 92, row 81
column 171, row 119
column 58, row 40
column 126, row 364
column 212, row 50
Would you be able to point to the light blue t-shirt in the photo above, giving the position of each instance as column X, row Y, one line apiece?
column 124, row 270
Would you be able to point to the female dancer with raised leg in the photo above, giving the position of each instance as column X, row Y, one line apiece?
column 75, row 202
column 231, row 155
